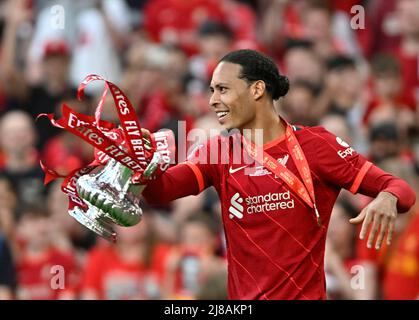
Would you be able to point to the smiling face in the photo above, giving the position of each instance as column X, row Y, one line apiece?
column 232, row 98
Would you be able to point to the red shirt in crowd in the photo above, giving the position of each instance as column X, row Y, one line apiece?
column 275, row 248
column 176, row 21
column 401, row 280
column 112, row 278
column 409, row 71
column 48, row 277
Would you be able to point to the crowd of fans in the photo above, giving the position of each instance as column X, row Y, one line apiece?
column 354, row 72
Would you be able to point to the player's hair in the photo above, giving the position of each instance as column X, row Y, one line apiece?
column 256, row 66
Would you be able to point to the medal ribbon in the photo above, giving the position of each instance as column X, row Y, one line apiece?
column 305, row 188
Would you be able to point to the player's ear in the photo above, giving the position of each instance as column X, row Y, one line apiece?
column 258, row 88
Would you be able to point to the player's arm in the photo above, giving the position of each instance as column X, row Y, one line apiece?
column 343, row 167
column 377, row 181
column 187, row 178
column 392, row 195
column 182, row 180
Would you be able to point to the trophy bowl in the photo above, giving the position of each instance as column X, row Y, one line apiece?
column 111, row 198
column 110, row 191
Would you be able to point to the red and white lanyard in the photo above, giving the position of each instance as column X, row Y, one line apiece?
column 304, row 189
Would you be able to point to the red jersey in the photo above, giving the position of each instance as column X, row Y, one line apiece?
column 176, row 21
column 112, row 278
column 39, row 279
column 401, row 280
column 275, row 248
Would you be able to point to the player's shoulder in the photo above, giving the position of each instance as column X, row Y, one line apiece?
column 321, row 142
column 319, row 139
column 310, row 132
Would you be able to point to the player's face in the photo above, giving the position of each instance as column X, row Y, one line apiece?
column 231, row 97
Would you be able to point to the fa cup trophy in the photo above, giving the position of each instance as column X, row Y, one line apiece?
column 112, row 197
column 111, row 194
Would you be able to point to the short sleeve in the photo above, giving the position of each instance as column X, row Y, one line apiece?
column 338, row 163
column 205, row 160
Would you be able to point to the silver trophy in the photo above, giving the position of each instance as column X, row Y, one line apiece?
column 111, row 197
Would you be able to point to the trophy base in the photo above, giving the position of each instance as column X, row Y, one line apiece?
column 96, row 223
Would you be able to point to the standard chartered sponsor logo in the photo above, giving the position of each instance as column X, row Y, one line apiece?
column 271, row 201
column 236, row 208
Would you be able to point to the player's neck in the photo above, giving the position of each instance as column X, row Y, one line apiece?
column 271, row 125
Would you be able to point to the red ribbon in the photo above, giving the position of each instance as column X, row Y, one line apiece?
column 104, row 136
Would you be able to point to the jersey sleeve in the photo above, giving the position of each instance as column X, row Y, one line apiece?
column 191, row 177
column 338, row 163
column 177, row 182
column 204, row 160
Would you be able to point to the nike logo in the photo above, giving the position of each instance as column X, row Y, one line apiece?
column 283, row 160
column 237, row 169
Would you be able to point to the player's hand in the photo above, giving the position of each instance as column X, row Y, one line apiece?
column 382, row 213
column 158, row 163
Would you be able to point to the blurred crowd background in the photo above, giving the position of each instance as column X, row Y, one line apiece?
column 355, row 74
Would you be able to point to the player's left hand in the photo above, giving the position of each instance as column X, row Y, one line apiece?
column 382, row 213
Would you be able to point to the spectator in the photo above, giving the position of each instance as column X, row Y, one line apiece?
column 7, row 271
column 317, row 28
column 214, row 287
column 175, row 22
column 194, row 260
column 384, row 142
column 65, row 152
column 342, row 87
column 20, row 160
column 403, row 265
column 315, row 21
column 99, row 40
column 215, row 39
column 337, row 125
column 37, row 98
column 388, row 100
column 297, row 105
column 407, row 49
column 375, row 263
column 8, row 203
column 68, row 234
column 131, row 269
column 301, row 63
column 340, row 253
column 280, row 19
column 44, row 272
